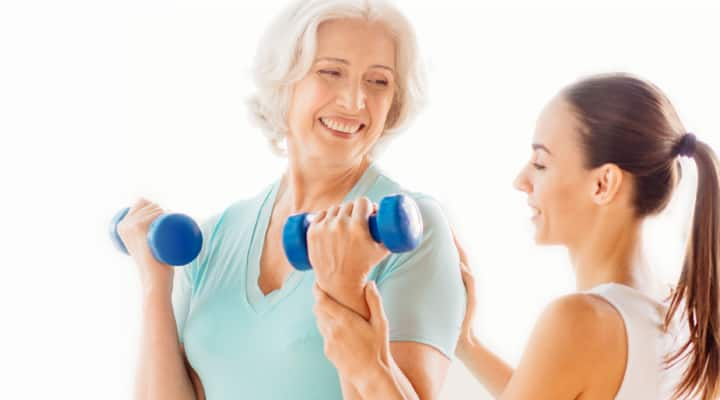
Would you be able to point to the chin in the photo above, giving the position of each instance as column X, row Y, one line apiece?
column 539, row 241
column 542, row 239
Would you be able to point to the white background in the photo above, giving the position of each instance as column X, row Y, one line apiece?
column 101, row 102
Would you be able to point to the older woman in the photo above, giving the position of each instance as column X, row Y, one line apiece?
column 334, row 79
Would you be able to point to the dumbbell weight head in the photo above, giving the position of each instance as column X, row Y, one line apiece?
column 399, row 223
column 295, row 240
column 174, row 238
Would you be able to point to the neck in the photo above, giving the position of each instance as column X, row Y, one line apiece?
column 612, row 253
column 306, row 187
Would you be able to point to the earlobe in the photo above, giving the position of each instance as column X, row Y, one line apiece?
column 607, row 182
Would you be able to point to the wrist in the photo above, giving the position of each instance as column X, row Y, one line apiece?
column 157, row 292
column 345, row 289
column 344, row 281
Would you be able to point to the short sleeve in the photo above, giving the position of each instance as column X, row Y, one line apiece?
column 423, row 294
column 184, row 279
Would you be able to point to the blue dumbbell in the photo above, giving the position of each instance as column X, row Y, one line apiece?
column 174, row 239
column 397, row 225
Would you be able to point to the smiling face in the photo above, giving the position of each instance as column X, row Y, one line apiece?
column 338, row 110
column 559, row 187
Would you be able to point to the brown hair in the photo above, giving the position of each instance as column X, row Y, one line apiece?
column 629, row 122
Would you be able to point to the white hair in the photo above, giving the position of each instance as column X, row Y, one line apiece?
column 287, row 50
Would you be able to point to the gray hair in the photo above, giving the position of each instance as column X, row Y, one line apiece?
column 287, row 50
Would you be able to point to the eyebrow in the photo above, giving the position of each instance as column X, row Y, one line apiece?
column 538, row 146
column 346, row 62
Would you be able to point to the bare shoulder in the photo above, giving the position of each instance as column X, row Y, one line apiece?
column 576, row 350
column 588, row 334
column 585, row 322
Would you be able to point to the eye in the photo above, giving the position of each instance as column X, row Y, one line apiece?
column 329, row 72
column 381, row 82
column 538, row 166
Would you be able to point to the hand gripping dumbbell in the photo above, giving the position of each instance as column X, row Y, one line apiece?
column 397, row 225
column 174, row 239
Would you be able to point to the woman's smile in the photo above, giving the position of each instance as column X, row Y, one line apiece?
column 342, row 127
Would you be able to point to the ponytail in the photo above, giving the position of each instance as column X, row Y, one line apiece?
column 697, row 295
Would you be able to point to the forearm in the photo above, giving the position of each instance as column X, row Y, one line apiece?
column 491, row 371
column 350, row 293
column 402, row 381
column 354, row 299
column 161, row 370
column 381, row 383
column 349, row 392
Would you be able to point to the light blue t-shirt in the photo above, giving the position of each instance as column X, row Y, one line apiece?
column 245, row 345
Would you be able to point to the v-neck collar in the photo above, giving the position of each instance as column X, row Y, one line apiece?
column 258, row 301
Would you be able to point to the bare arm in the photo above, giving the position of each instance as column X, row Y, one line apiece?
column 578, row 347
column 419, row 369
column 367, row 361
column 341, row 267
column 348, row 296
column 380, row 383
column 489, row 369
column 162, row 371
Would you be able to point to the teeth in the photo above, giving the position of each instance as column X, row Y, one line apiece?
column 340, row 127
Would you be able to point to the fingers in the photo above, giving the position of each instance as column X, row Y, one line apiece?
column 326, row 305
column 325, row 216
column 148, row 212
column 318, row 216
column 323, row 320
column 346, row 210
column 468, row 279
column 333, row 212
column 460, row 249
column 139, row 203
column 139, row 216
column 362, row 210
column 143, row 206
column 469, row 282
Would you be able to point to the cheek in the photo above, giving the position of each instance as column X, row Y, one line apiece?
column 308, row 97
column 379, row 105
column 566, row 202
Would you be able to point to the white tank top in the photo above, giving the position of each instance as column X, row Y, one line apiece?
column 647, row 343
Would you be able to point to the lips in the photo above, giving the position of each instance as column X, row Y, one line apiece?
column 342, row 126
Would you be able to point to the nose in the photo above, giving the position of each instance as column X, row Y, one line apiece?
column 522, row 182
column 352, row 97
